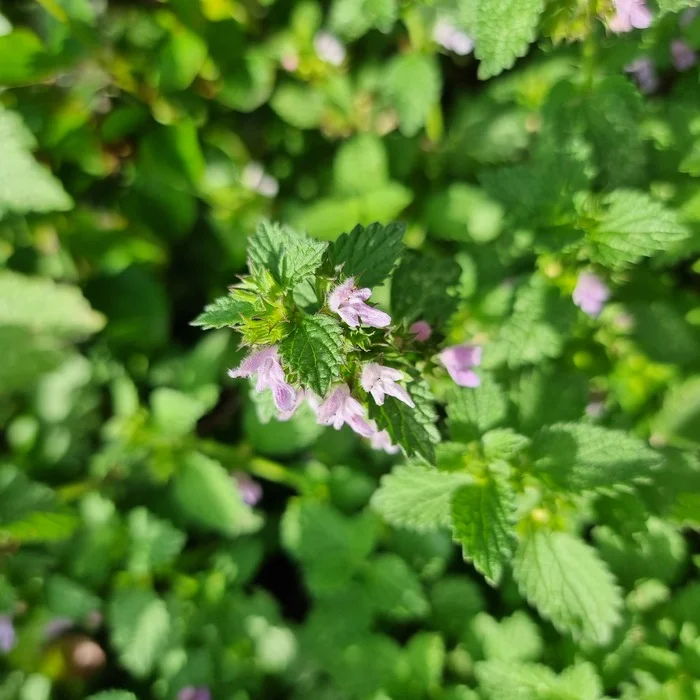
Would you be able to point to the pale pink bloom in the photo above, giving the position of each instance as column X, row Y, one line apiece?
column 629, row 15
column 380, row 381
column 284, row 416
column 348, row 302
column 340, row 407
column 644, row 73
column 255, row 178
column 266, row 365
column 381, row 441
column 250, row 490
column 290, row 62
column 459, row 361
column 682, row 55
column 452, row 38
column 595, row 409
column 422, row 330
column 590, row 294
column 192, row 692
column 329, row 48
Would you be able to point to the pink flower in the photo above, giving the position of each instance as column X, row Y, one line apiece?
column 340, row 407
column 290, row 62
column 270, row 375
column 380, row 381
column 348, row 302
column 381, row 441
column 459, row 360
column 629, row 15
column 683, row 56
column 644, row 73
column 329, row 48
column 451, row 38
column 590, row 294
column 191, row 692
column 250, row 490
column 422, row 330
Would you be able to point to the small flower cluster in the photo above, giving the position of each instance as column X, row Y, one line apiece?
column 340, row 407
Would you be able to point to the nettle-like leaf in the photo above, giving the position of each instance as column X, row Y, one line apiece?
column 291, row 257
column 633, row 226
column 581, row 457
column 418, row 496
column 482, row 521
column 473, row 412
column 503, row 31
column 413, row 429
column 569, row 585
column 313, row 352
column 369, row 254
column 224, row 312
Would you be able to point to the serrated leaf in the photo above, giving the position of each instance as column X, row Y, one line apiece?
column 417, row 496
column 482, row 521
column 633, row 226
column 42, row 305
column 413, row 429
column 394, row 589
column 139, row 625
column 313, row 352
column 506, row 680
column 291, row 257
column 369, row 254
column 25, row 185
column 503, row 443
column 568, row 584
column 223, row 312
column 513, row 638
column 581, row 457
column 473, row 412
column 207, row 494
column 503, row 31
column 154, row 542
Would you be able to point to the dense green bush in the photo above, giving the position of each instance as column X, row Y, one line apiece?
column 514, row 182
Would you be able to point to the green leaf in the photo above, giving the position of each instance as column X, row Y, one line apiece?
column 353, row 18
column 180, row 58
column 42, row 305
column 454, row 601
column 301, row 106
column 568, row 584
column 678, row 421
column 175, row 413
column 112, row 695
column 154, row 543
column 425, row 654
column 25, row 61
column 513, row 638
column 360, row 165
column 26, row 358
column 207, row 494
column 675, row 5
column 417, row 496
column 313, row 352
column 503, row 443
column 581, row 457
column 503, row 32
column 633, row 226
column 223, row 312
column 506, row 680
column 369, row 254
column 40, row 527
column 421, row 286
column 412, row 83
column 483, row 514
column 139, row 625
column 473, row 412
column 290, row 257
column 413, row 429
column 66, row 598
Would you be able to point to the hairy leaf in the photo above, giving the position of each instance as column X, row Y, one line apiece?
column 473, row 412
column 223, row 312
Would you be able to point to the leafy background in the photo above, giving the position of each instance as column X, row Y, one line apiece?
column 140, row 144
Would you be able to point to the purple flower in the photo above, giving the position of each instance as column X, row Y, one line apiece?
column 8, row 636
column 682, row 55
column 270, row 375
column 192, row 692
column 590, row 294
column 381, row 441
column 629, row 15
column 451, row 38
column 329, row 48
column 348, row 302
column 56, row 627
column 380, row 381
column 644, row 73
column 340, row 407
column 459, row 361
column 251, row 491
column 422, row 330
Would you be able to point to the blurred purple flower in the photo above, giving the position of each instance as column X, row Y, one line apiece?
column 644, row 73
column 8, row 636
column 590, row 294
column 381, row 441
column 452, row 38
column 329, row 48
column 251, row 490
column 340, row 407
column 348, row 302
column 459, row 361
column 629, row 15
column 56, row 627
column 422, row 330
column 682, row 55
column 270, row 375
column 380, row 381
column 192, row 692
